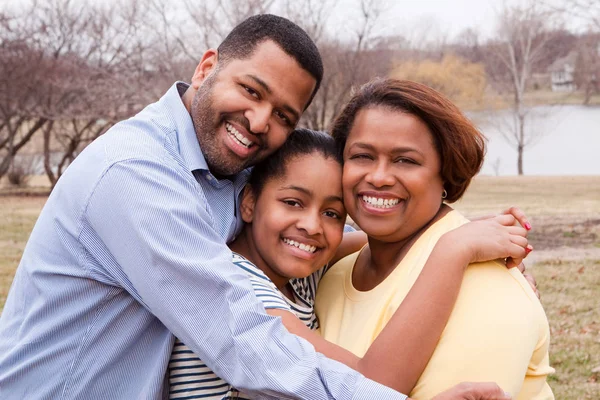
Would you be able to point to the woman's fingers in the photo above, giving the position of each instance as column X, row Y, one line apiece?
column 519, row 216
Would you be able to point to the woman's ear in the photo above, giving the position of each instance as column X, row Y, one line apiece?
column 247, row 205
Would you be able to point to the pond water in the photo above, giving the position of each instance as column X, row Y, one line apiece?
column 566, row 141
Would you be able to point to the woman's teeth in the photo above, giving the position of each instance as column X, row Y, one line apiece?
column 379, row 202
column 238, row 136
column 301, row 246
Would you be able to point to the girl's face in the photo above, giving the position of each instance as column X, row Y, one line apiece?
column 392, row 183
column 298, row 218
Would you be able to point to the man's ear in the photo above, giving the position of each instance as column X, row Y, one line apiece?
column 207, row 64
column 247, row 205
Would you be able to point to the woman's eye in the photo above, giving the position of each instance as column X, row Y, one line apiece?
column 404, row 160
column 361, row 156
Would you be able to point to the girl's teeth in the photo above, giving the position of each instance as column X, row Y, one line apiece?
column 301, row 246
column 379, row 202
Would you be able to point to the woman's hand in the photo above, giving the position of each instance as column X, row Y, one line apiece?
column 474, row 391
column 490, row 239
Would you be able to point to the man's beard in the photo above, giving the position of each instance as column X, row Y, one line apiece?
column 221, row 161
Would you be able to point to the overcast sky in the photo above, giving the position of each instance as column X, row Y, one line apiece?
column 446, row 17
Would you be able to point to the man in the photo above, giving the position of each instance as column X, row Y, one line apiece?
column 131, row 243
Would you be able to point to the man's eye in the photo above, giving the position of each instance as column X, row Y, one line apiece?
column 283, row 117
column 251, row 91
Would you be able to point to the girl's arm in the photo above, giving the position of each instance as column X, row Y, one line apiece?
column 415, row 328
column 351, row 243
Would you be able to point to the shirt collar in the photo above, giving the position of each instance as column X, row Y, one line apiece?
column 189, row 148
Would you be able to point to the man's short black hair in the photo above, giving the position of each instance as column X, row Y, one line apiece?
column 243, row 39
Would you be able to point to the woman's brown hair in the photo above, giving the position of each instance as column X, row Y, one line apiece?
column 460, row 145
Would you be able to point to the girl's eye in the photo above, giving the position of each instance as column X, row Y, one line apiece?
column 292, row 203
column 404, row 160
column 251, row 91
column 332, row 214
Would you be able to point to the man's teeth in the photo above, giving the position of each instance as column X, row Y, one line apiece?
column 379, row 202
column 235, row 134
column 301, row 246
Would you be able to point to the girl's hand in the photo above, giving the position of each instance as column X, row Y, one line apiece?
column 490, row 239
column 515, row 212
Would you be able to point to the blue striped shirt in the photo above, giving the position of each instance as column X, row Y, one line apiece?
column 130, row 247
column 190, row 378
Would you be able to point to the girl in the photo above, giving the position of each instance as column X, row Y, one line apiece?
column 294, row 214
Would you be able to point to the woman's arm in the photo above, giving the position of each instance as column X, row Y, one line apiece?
column 415, row 328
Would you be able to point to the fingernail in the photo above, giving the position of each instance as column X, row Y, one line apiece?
column 527, row 226
column 528, row 249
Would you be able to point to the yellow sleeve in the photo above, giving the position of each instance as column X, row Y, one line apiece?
column 495, row 333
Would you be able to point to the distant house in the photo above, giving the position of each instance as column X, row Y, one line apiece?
column 562, row 73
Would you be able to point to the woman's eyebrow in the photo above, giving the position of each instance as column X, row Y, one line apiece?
column 397, row 149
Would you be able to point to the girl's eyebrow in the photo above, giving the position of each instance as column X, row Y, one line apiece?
column 309, row 192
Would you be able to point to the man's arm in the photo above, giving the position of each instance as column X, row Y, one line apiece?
column 170, row 259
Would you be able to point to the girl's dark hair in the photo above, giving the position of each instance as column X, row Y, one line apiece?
column 301, row 142
column 458, row 142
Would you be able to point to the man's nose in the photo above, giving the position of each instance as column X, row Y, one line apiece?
column 259, row 118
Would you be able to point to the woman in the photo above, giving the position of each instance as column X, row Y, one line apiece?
column 407, row 151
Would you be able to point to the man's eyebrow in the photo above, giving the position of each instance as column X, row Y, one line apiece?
column 267, row 89
column 262, row 83
column 309, row 193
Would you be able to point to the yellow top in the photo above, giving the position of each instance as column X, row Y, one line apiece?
column 497, row 332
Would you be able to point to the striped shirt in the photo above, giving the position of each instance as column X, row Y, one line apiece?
column 190, row 378
column 130, row 249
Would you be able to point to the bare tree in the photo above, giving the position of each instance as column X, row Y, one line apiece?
column 587, row 65
column 586, row 10
column 523, row 32
column 22, row 81
column 347, row 63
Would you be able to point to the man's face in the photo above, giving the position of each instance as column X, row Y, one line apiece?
column 244, row 110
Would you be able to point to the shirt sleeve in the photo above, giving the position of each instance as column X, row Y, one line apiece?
column 157, row 241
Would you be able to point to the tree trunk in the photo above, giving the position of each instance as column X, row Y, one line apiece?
column 47, row 154
column 520, row 159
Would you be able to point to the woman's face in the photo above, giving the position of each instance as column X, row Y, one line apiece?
column 391, row 180
column 298, row 218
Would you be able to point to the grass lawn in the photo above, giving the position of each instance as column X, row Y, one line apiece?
column 565, row 214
